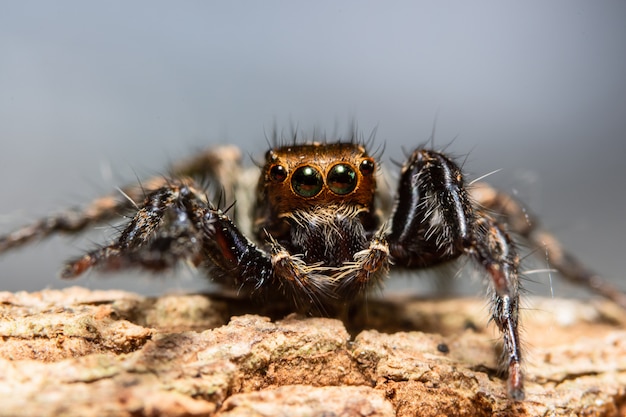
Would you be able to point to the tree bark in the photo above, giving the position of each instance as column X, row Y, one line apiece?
column 77, row 352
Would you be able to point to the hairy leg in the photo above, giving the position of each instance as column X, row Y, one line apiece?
column 435, row 221
column 494, row 250
column 520, row 221
column 165, row 230
column 215, row 166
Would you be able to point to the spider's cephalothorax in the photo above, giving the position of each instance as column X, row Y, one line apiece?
column 317, row 201
column 319, row 239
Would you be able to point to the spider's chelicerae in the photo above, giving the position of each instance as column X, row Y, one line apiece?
column 318, row 239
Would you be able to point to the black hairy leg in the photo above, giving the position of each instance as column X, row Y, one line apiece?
column 495, row 251
column 177, row 224
column 73, row 220
column 435, row 220
column 213, row 166
column 520, row 221
column 166, row 229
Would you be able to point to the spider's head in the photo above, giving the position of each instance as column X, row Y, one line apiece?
column 299, row 177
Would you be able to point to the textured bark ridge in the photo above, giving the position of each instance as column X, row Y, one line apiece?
column 77, row 352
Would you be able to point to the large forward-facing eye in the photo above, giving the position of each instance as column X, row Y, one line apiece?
column 341, row 179
column 307, row 181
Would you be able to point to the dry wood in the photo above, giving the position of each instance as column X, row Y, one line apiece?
column 77, row 352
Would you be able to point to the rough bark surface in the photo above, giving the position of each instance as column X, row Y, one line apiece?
column 78, row 352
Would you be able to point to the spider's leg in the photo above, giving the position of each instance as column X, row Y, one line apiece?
column 215, row 166
column 433, row 217
column 164, row 231
column 495, row 251
column 520, row 221
column 434, row 221
column 72, row 220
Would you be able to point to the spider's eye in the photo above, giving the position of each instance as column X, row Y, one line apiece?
column 341, row 179
column 278, row 173
column 307, row 181
column 367, row 167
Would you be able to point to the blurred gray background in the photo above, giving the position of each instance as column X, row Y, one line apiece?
column 94, row 95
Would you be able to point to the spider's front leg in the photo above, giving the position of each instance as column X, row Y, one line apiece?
column 435, row 221
column 177, row 224
column 165, row 230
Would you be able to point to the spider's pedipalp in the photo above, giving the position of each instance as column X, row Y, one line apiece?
column 308, row 286
column 368, row 270
column 235, row 261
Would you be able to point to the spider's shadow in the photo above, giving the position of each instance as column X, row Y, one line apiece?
column 385, row 315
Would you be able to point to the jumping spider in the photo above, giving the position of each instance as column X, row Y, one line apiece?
column 319, row 241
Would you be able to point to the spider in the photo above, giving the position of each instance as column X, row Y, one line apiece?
column 319, row 240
